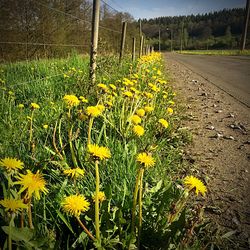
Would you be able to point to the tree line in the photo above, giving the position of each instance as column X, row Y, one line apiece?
column 53, row 28
column 217, row 30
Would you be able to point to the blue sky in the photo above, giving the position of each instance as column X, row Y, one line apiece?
column 156, row 8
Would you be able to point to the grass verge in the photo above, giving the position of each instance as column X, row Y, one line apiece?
column 94, row 166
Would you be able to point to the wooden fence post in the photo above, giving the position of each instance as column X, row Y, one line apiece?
column 133, row 49
column 141, row 46
column 94, row 41
column 124, row 27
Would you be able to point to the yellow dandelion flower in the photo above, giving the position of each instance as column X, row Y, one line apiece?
column 148, row 109
column 136, row 91
column 149, row 95
column 162, row 81
column 12, row 205
column 33, row 183
column 194, row 183
column 170, row 111
column 140, row 112
column 45, row 126
column 155, row 88
column 34, row 105
column 74, row 172
column 138, row 130
column 101, row 107
column 145, row 159
column 21, row 106
column 93, row 111
column 101, row 196
column 83, row 99
column 71, row 100
column 99, row 152
column 11, row 164
column 135, row 119
column 135, row 76
column 164, row 123
column 112, row 86
column 158, row 72
column 171, row 102
column 102, row 86
column 75, row 204
column 128, row 94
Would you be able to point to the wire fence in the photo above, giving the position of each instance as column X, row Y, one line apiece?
column 33, row 29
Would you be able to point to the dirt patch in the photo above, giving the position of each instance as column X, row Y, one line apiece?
column 220, row 149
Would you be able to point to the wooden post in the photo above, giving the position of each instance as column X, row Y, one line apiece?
column 141, row 47
column 133, row 49
column 244, row 34
column 124, row 27
column 94, row 41
column 159, row 40
column 140, row 28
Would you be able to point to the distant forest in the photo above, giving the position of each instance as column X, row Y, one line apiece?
column 217, row 30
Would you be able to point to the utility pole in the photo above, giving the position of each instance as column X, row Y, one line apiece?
column 244, row 34
column 94, row 40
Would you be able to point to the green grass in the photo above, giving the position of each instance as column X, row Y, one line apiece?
column 63, row 145
column 217, row 52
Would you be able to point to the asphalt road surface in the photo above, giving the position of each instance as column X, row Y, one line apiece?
column 229, row 73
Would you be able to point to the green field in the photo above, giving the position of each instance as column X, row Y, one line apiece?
column 63, row 141
column 216, row 52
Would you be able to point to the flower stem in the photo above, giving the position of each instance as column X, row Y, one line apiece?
column 97, row 223
column 178, row 207
column 71, row 148
column 9, row 236
column 31, row 129
column 90, row 128
column 30, row 215
column 140, row 207
column 135, row 200
column 54, row 142
column 85, row 229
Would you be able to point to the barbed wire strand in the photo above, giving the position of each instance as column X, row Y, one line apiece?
column 42, row 44
column 75, row 17
column 110, row 6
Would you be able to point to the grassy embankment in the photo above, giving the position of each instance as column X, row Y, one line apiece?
column 217, row 52
column 66, row 142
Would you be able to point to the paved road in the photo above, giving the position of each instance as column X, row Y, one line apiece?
column 229, row 73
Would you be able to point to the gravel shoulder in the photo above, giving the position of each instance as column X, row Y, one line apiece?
column 220, row 150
